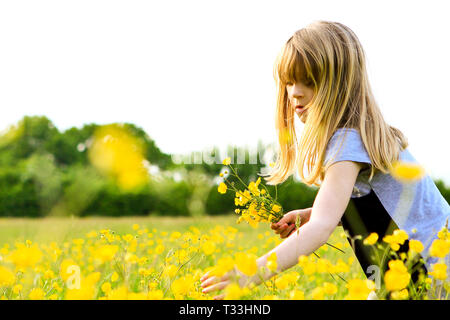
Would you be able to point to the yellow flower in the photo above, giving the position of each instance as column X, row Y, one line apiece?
column 7, row 278
column 182, row 286
column 155, row 295
column 400, row 295
column 309, row 268
column 407, row 172
column 400, row 235
column 253, row 187
column 340, row 267
column 106, row 252
column 36, row 294
column 208, row 248
column 114, row 276
column 318, row 293
column 359, row 289
column 439, row 271
column 159, row 249
column 330, row 288
column 106, row 287
column 415, row 245
column 444, row 234
column 371, row 239
column 25, row 256
column 222, row 188
column 120, row 293
column 78, row 242
column 297, row 295
column 282, row 282
column 226, row 161
column 137, row 296
column 17, row 288
column 276, row 208
column 170, row 271
column 439, row 248
column 270, row 297
column 233, row 292
column 242, row 198
column 397, row 277
column 91, row 234
column 396, row 239
column 224, row 265
column 323, row 265
column 246, row 263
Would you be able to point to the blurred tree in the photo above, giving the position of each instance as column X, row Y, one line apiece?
column 31, row 134
column 69, row 147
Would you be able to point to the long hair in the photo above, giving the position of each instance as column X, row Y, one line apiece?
column 328, row 56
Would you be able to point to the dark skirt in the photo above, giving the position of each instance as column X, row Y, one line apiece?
column 363, row 216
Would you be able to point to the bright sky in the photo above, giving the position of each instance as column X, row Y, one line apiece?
column 195, row 74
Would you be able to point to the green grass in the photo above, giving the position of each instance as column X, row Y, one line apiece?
column 61, row 229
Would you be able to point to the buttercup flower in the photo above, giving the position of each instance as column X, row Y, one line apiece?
column 371, row 239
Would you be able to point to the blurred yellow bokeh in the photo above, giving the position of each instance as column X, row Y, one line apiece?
column 118, row 154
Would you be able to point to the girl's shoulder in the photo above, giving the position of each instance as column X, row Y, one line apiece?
column 346, row 144
column 349, row 144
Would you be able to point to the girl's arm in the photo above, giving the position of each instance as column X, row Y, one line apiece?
column 328, row 208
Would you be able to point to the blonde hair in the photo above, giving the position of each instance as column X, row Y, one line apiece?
column 329, row 58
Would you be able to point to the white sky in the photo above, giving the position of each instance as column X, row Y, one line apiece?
column 195, row 74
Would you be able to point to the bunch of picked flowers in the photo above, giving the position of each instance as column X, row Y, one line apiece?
column 255, row 204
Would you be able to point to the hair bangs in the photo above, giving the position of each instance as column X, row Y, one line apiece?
column 291, row 66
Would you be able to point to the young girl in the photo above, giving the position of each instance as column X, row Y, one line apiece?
column 347, row 146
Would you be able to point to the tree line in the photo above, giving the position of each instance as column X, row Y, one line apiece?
column 47, row 172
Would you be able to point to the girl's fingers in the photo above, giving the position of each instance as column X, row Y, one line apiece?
column 209, row 281
column 219, row 297
column 216, row 287
column 205, row 276
column 281, row 228
column 287, row 231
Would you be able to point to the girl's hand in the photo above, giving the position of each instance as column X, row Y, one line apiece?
column 212, row 283
column 286, row 225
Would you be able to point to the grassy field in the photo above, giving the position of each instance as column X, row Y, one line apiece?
column 153, row 257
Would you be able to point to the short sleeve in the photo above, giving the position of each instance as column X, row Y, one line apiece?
column 352, row 148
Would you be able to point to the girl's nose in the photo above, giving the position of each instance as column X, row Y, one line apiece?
column 297, row 92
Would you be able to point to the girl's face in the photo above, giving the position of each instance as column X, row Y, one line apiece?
column 299, row 95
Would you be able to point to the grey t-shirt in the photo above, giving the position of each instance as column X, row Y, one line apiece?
column 418, row 205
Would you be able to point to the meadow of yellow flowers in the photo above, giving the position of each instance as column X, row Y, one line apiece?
column 150, row 263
